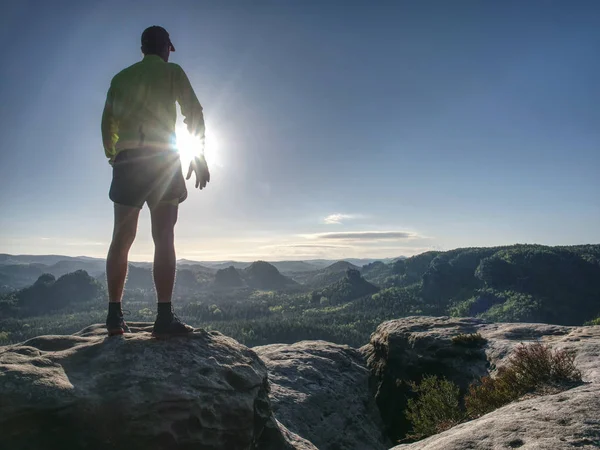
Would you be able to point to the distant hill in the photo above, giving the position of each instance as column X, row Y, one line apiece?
column 196, row 268
column 225, row 264
column 325, row 276
column 41, row 259
column 138, row 278
column 259, row 275
column 203, row 275
column 323, row 263
column 517, row 283
column 288, row 266
column 49, row 293
column 262, row 275
column 141, row 264
column 18, row 276
column 92, row 266
column 228, row 278
column 18, row 271
column 189, row 281
column 383, row 274
column 340, row 266
column 350, row 287
column 188, row 262
column 294, row 266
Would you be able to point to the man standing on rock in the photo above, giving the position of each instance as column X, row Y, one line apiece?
column 138, row 132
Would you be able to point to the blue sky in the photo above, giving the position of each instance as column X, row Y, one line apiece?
column 337, row 128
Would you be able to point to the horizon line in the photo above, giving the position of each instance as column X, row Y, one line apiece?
column 295, row 259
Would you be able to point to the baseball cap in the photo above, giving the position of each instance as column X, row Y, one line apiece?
column 156, row 36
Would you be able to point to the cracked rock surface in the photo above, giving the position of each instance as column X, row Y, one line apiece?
column 322, row 392
column 407, row 348
column 87, row 391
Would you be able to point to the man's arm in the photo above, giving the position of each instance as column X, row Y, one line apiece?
column 109, row 127
column 194, row 119
column 190, row 106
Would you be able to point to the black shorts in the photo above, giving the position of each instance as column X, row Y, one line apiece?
column 147, row 176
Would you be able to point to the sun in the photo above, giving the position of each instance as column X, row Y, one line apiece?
column 189, row 146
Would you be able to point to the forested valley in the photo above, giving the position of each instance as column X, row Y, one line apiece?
column 260, row 304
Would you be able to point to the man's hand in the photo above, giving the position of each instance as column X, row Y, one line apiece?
column 199, row 166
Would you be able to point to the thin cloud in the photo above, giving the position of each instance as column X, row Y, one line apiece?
column 297, row 245
column 337, row 219
column 86, row 243
column 366, row 235
column 315, row 246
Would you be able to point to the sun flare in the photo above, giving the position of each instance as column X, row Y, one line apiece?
column 190, row 146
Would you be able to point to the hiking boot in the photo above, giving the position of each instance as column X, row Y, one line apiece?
column 167, row 325
column 115, row 324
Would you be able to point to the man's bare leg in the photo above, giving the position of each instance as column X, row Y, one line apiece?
column 125, row 227
column 164, row 218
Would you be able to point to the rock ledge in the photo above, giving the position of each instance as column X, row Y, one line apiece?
column 92, row 392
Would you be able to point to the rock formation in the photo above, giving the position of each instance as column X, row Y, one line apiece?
column 320, row 391
column 205, row 391
column 567, row 420
column 406, row 349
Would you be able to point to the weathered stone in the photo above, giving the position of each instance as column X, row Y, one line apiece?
column 409, row 348
column 321, row 391
column 563, row 421
column 405, row 350
column 88, row 391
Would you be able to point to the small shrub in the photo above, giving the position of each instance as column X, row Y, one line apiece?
column 436, row 407
column 530, row 368
column 489, row 394
column 469, row 340
column 537, row 364
column 595, row 321
column 4, row 337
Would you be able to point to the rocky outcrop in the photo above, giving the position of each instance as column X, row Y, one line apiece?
column 406, row 349
column 134, row 392
column 320, row 391
column 561, row 421
column 207, row 391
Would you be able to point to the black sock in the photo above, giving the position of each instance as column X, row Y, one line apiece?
column 164, row 309
column 114, row 308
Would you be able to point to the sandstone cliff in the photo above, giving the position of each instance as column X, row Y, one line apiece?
column 87, row 391
column 408, row 348
column 321, row 391
column 207, row 391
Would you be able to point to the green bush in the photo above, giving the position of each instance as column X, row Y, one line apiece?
column 490, row 394
column 469, row 340
column 436, row 407
column 595, row 321
column 530, row 368
column 4, row 337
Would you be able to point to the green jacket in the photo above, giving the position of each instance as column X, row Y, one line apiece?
column 140, row 107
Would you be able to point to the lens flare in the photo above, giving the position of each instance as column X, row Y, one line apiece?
column 190, row 146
